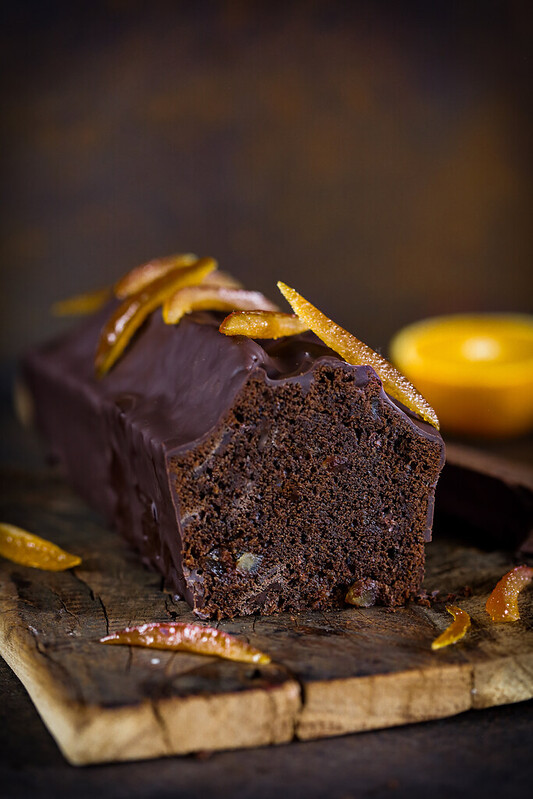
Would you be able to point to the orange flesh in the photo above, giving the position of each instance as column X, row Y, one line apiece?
column 82, row 304
column 129, row 316
column 356, row 352
column 502, row 604
column 456, row 630
column 28, row 549
column 262, row 324
column 188, row 638
column 475, row 369
column 211, row 298
column 140, row 277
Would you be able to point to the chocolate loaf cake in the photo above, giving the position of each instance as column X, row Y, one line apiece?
column 255, row 476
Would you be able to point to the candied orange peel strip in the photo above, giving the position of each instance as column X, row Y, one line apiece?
column 178, row 636
column 262, row 324
column 129, row 316
column 82, row 304
column 356, row 352
column 22, row 547
column 141, row 276
column 211, row 298
column 456, row 630
column 222, row 279
column 502, row 604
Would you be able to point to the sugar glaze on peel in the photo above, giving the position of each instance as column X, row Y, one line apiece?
column 502, row 604
column 178, row 636
column 356, row 352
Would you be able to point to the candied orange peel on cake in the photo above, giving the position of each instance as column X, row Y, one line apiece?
column 82, row 304
column 180, row 284
column 356, row 352
column 130, row 315
column 141, row 276
column 502, row 604
column 457, row 629
column 22, row 547
column 178, row 636
column 262, row 324
column 212, row 298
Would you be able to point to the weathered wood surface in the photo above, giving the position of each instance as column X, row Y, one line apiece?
column 333, row 673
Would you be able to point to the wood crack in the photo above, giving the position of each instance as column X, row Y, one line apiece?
column 67, row 678
column 64, row 606
column 96, row 598
column 161, row 723
column 102, row 605
column 296, row 716
column 172, row 613
column 129, row 660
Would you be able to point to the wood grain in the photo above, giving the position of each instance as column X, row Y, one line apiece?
column 332, row 673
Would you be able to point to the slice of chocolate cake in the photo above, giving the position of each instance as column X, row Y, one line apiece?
column 257, row 477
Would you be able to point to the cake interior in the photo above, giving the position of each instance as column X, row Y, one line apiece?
column 301, row 490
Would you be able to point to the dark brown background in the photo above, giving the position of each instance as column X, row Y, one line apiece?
column 374, row 155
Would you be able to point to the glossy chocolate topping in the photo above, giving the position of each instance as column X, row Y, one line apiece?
column 167, row 392
column 176, row 381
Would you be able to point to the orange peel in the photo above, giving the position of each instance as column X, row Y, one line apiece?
column 20, row 546
column 456, row 630
column 82, row 304
column 356, row 352
column 262, row 324
column 212, row 298
column 129, row 316
column 222, row 279
column 178, row 636
column 502, row 604
column 141, row 276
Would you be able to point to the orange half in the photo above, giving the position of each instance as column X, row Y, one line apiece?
column 475, row 370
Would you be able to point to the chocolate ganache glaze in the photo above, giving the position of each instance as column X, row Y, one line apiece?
column 174, row 384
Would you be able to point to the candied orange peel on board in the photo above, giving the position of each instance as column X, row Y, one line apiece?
column 22, row 547
column 178, row 636
column 130, row 315
column 262, row 324
column 82, row 304
column 356, row 352
column 212, row 298
column 456, row 630
column 502, row 604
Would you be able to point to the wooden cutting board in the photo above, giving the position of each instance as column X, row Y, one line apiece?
column 332, row 673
